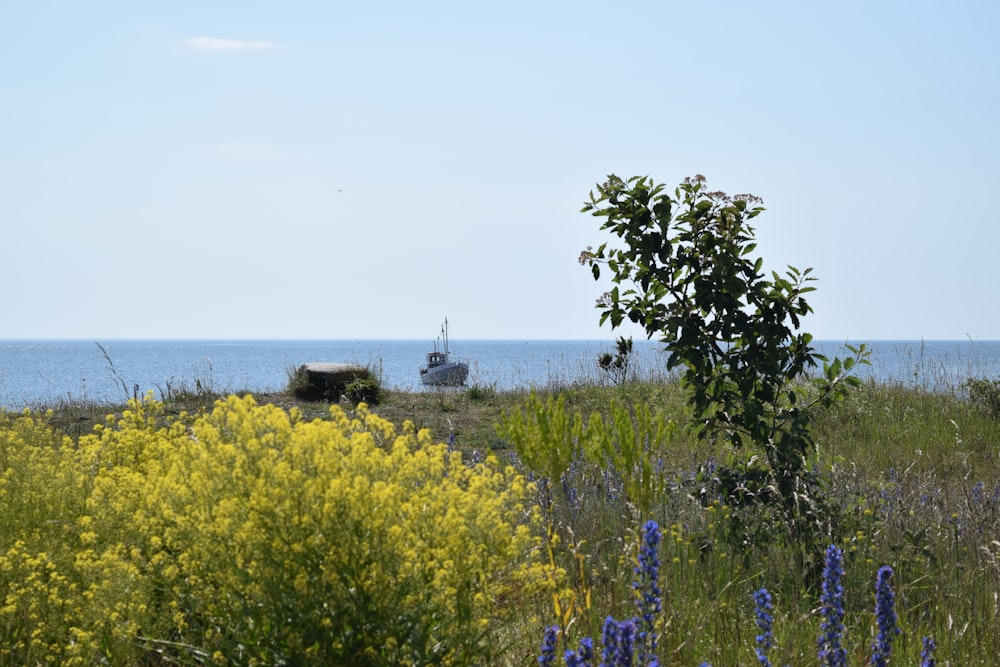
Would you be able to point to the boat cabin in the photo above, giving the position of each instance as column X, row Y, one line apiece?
column 436, row 358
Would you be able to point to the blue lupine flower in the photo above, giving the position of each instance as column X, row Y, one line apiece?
column 885, row 617
column 831, row 651
column 609, row 638
column 619, row 643
column 765, row 640
column 583, row 656
column 547, row 658
column 647, row 586
column 977, row 492
column 626, row 643
column 573, row 498
column 586, row 652
column 927, row 654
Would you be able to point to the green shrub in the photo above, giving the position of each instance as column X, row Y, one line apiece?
column 364, row 390
column 298, row 382
column 479, row 393
column 985, row 395
column 687, row 274
column 616, row 366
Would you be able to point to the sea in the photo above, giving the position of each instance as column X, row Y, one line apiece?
column 36, row 373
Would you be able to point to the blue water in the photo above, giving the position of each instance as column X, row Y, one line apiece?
column 43, row 371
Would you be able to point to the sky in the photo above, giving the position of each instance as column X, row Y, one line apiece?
column 362, row 170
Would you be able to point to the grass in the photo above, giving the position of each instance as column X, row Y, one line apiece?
column 915, row 475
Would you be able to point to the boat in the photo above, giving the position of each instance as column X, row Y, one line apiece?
column 441, row 370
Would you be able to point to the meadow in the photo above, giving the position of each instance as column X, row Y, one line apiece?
column 203, row 529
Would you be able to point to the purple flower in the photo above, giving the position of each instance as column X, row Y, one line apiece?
column 831, row 651
column 927, row 654
column 626, row 643
column 619, row 643
column 885, row 617
column 583, row 656
column 547, row 658
column 648, row 595
column 764, row 620
column 609, row 638
column 585, row 653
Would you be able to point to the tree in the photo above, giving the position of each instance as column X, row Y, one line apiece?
column 616, row 366
column 688, row 275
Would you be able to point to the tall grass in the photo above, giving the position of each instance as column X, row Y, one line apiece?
column 914, row 476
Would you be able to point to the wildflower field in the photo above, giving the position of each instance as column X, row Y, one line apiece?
column 250, row 536
column 263, row 533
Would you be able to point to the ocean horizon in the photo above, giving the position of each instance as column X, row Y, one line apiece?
column 43, row 371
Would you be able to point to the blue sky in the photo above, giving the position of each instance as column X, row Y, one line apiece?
column 361, row 170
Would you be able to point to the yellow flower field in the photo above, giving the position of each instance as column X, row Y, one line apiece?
column 249, row 535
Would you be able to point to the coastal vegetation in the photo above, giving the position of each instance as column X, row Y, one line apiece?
column 687, row 273
column 753, row 504
column 87, row 574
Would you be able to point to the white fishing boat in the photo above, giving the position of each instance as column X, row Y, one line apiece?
column 440, row 369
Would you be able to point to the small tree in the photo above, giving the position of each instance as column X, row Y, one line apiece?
column 686, row 273
column 617, row 366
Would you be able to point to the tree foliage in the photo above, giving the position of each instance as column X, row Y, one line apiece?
column 687, row 273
